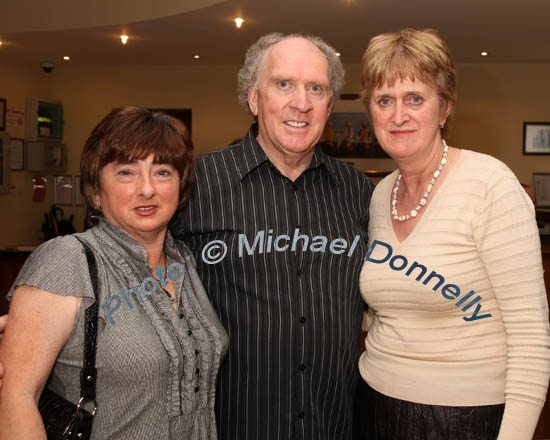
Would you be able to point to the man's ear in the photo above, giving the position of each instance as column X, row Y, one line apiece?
column 253, row 100
column 330, row 106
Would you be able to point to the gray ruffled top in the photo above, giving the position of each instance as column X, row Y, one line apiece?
column 157, row 367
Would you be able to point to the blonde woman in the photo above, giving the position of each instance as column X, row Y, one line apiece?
column 458, row 344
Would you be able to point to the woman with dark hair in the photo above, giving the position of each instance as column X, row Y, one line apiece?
column 159, row 342
column 458, row 343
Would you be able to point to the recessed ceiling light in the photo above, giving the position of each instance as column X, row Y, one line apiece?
column 124, row 38
column 66, row 58
column 484, row 54
column 0, row 43
column 338, row 54
column 238, row 22
column 196, row 57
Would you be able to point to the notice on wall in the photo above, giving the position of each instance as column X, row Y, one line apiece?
column 15, row 118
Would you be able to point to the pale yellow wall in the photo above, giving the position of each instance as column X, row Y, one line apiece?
column 88, row 94
column 494, row 101
column 20, row 219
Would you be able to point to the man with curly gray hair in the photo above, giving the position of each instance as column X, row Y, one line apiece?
column 292, row 309
column 293, row 312
column 248, row 75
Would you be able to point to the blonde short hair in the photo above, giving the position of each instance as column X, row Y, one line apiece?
column 409, row 53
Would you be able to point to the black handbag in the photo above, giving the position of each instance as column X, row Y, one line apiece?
column 63, row 419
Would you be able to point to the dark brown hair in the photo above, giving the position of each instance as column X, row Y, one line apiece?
column 133, row 133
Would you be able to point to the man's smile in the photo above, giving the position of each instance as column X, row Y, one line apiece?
column 296, row 124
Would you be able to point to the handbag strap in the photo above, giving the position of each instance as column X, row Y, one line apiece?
column 88, row 374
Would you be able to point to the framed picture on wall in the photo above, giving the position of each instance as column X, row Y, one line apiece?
column 17, row 158
column 76, row 191
column 349, row 137
column 536, row 138
column 63, row 190
column 541, row 184
column 4, row 165
column 2, row 114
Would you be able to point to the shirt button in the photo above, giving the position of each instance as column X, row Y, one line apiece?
column 189, row 332
column 302, row 414
column 197, row 370
column 303, row 319
column 302, row 367
column 196, row 389
column 196, row 351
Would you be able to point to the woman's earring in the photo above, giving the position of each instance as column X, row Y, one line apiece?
column 442, row 125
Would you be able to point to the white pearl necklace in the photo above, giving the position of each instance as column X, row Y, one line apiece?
column 424, row 198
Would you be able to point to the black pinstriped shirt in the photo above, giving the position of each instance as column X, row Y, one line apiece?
column 292, row 308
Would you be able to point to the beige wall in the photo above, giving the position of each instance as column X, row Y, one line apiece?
column 494, row 101
column 20, row 218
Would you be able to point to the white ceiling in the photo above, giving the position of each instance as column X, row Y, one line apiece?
column 162, row 33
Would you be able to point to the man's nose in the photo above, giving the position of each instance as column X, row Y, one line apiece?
column 301, row 100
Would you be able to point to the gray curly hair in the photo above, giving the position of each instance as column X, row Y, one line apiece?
column 248, row 75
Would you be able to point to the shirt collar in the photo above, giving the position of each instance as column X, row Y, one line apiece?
column 254, row 156
column 132, row 247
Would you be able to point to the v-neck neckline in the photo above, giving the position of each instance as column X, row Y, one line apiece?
column 427, row 209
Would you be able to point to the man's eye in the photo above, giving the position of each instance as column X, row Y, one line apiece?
column 283, row 84
column 316, row 88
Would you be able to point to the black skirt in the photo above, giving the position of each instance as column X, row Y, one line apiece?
column 379, row 417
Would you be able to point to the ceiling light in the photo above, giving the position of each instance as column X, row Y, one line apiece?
column 0, row 43
column 484, row 54
column 196, row 57
column 239, row 22
column 66, row 58
column 124, row 39
column 338, row 54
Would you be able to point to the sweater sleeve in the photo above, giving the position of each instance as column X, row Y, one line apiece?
column 508, row 241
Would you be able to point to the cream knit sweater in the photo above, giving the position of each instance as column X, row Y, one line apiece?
column 458, row 310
